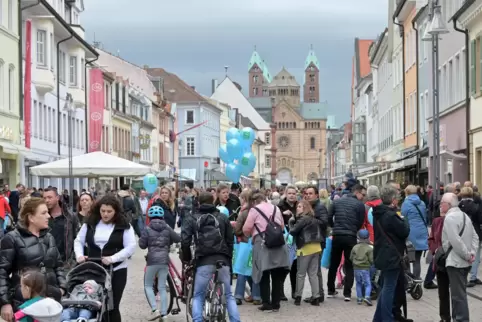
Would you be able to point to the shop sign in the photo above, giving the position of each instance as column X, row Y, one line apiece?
column 6, row 133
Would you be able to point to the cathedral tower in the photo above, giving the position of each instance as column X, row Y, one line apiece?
column 259, row 76
column 311, row 87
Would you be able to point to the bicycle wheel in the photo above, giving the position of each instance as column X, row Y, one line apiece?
column 171, row 290
column 217, row 312
column 189, row 303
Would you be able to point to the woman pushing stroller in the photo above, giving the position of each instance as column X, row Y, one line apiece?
column 157, row 238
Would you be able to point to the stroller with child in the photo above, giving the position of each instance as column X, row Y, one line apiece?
column 90, row 271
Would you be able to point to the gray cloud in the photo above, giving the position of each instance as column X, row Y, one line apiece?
column 196, row 39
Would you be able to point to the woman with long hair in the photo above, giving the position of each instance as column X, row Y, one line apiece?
column 164, row 198
column 29, row 246
column 107, row 234
column 83, row 207
column 228, row 200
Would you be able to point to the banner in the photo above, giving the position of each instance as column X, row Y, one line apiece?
column 27, row 86
column 96, row 108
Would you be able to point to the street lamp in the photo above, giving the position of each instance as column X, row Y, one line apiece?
column 69, row 107
column 435, row 28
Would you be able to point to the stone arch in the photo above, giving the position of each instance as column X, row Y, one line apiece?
column 285, row 175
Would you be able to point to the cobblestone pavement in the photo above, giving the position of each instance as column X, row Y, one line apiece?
column 134, row 306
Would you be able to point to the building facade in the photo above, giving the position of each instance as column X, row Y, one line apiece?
column 59, row 56
column 300, row 126
column 469, row 17
column 11, row 149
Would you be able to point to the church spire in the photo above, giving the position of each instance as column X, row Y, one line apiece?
column 312, row 59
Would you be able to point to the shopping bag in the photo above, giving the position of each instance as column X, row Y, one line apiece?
column 288, row 238
column 243, row 265
column 326, row 257
column 235, row 250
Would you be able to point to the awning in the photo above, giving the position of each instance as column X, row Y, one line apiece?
column 11, row 148
column 188, row 174
column 378, row 173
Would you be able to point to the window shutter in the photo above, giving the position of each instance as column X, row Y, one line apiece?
column 473, row 76
column 480, row 63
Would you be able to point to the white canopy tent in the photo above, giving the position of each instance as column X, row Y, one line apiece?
column 92, row 165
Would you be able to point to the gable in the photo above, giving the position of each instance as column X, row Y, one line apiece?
column 285, row 113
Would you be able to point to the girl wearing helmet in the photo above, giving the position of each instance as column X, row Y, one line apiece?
column 157, row 237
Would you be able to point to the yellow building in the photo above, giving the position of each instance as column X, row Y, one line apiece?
column 11, row 148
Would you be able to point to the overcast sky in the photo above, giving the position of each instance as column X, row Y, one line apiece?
column 195, row 39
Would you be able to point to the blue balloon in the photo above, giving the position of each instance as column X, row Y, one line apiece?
column 233, row 172
column 247, row 136
column 247, row 149
column 234, row 149
column 233, row 133
column 224, row 155
column 150, row 183
column 247, row 162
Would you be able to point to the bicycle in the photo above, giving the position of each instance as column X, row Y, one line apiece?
column 215, row 303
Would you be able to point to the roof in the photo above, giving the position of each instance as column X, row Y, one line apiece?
column 136, row 76
column 256, row 59
column 362, row 58
column 377, row 45
column 175, row 89
column 284, row 79
column 313, row 111
column 228, row 93
column 311, row 58
column 260, row 102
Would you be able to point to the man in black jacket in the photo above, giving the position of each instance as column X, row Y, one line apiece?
column 321, row 213
column 346, row 217
column 213, row 240
column 129, row 207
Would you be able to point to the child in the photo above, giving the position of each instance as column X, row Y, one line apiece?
column 89, row 290
column 157, row 238
column 36, row 308
column 362, row 259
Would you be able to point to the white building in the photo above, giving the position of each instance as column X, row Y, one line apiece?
column 59, row 55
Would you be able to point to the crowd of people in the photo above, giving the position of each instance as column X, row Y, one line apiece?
column 369, row 231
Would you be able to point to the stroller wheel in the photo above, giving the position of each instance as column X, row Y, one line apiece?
column 417, row 292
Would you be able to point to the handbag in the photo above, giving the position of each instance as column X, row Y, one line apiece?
column 404, row 262
column 440, row 257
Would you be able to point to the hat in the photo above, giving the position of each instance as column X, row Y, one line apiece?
column 92, row 283
column 363, row 234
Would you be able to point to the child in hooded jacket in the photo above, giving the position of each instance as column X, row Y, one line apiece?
column 362, row 258
column 37, row 308
column 157, row 238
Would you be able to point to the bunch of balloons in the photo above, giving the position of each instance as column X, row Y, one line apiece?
column 237, row 153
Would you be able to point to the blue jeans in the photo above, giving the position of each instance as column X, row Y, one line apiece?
column 73, row 313
column 241, row 287
column 363, row 280
column 204, row 274
column 161, row 271
column 475, row 265
column 141, row 222
column 384, row 309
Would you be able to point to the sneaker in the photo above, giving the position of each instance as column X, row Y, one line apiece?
column 471, row 283
column 164, row 317
column 359, row 301
column 478, row 282
column 265, row 307
column 332, row 294
column 430, row 286
column 347, row 299
column 298, row 301
column 154, row 315
column 368, row 301
column 315, row 302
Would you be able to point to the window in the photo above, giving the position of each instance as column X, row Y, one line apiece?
column 267, row 161
column 10, row 14
column 41, row 48
column 312, row 143
column 52, row 51
column 190, row 146
column 11, row 87
column 82, row 72
column 73, row 71
column 107, row 95
column 117, row 96
column 62, row 69
column 2, row 83
column 190, row 117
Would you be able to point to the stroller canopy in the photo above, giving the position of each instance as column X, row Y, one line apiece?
column 88, row 271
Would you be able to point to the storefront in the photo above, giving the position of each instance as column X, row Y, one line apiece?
column 10, row 156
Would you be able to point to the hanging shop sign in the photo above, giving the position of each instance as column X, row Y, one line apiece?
column 6, row 133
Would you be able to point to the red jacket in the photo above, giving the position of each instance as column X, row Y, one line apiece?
column 367, row 225
column 4, row 207
column 435, row 238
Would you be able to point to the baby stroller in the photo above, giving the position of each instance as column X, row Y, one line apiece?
column 90, row 271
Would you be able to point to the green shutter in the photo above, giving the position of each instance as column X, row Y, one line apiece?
column 473, row 76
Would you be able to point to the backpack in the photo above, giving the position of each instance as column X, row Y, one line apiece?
column 127, row 213
column 208, row 235
column 273, row 236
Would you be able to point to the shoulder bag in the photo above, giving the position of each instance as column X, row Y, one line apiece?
column 440, row 256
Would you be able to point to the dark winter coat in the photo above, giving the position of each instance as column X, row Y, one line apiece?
column 157, row 238
column 346, row 216
column 391, row 231
column 472, row 209
column 307, row 230
column 19, row 251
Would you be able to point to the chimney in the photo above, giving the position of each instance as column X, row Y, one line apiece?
column 214, row 85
